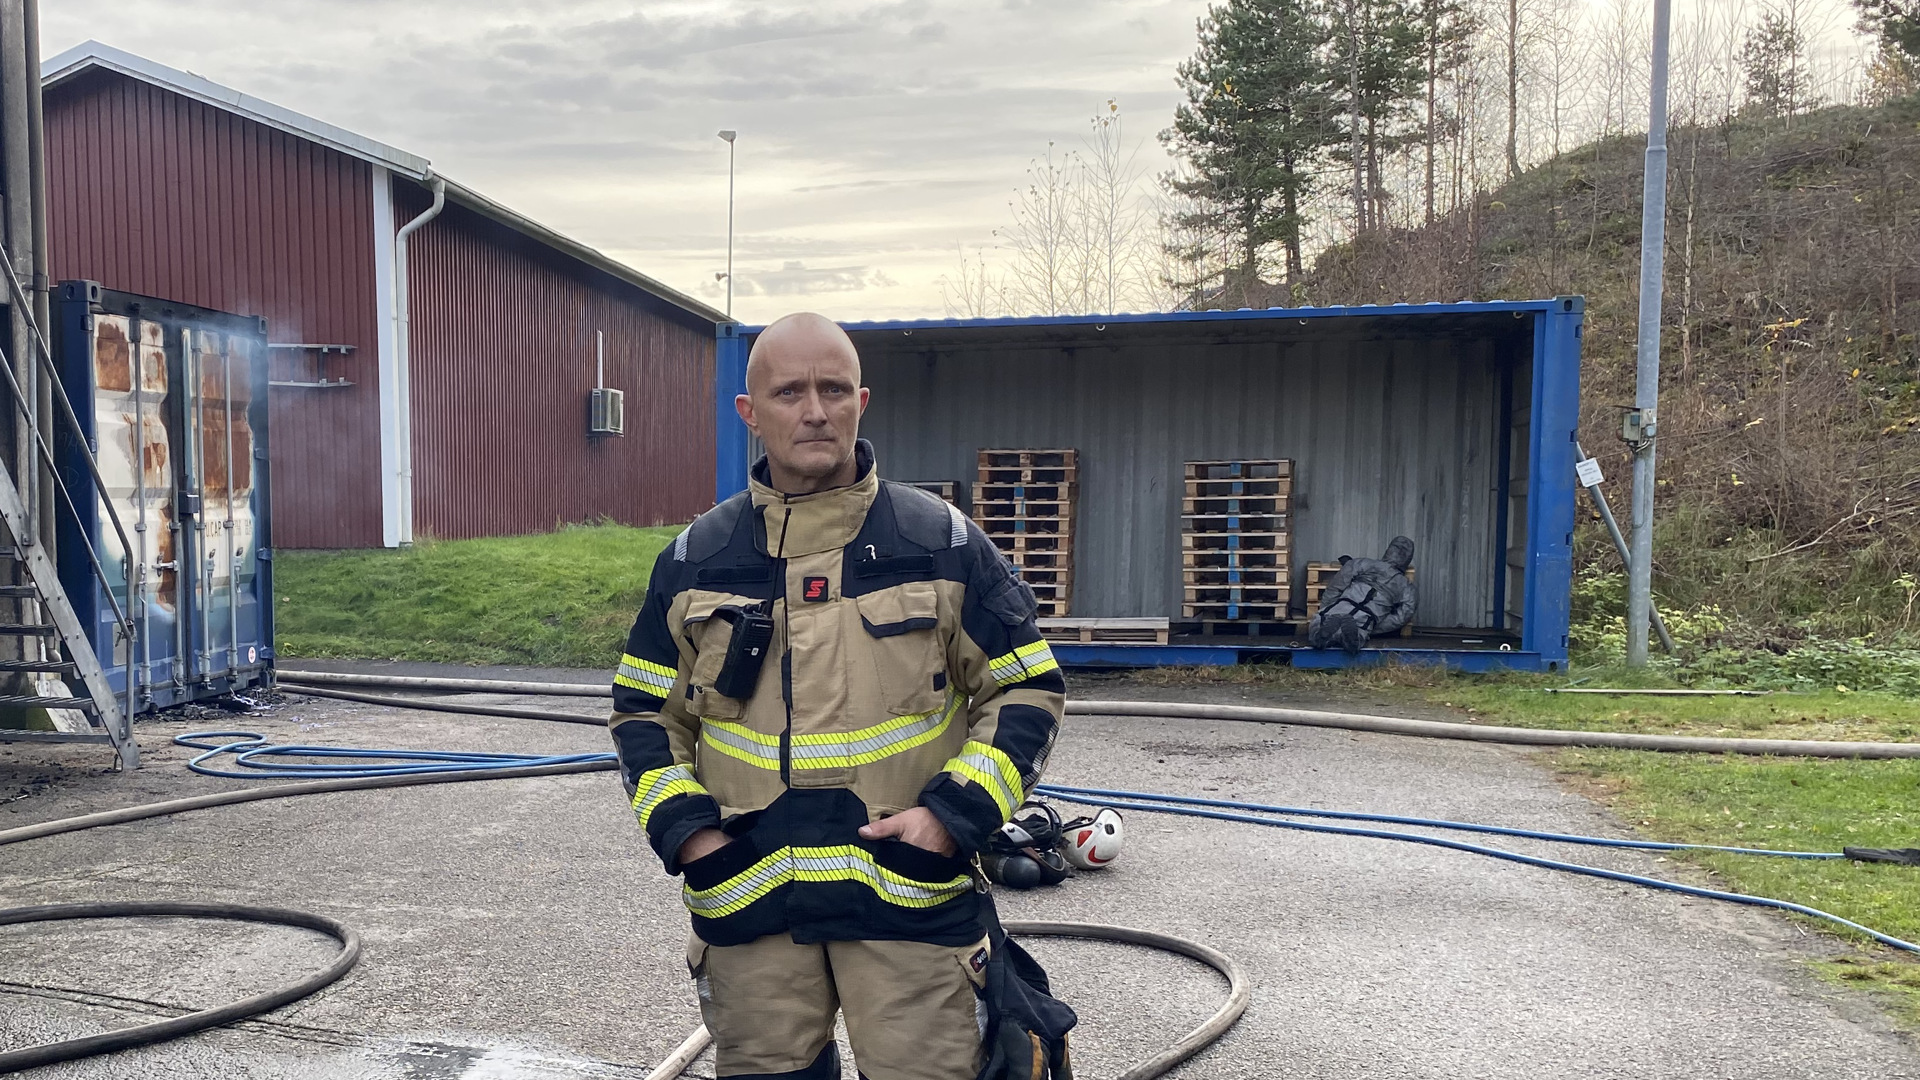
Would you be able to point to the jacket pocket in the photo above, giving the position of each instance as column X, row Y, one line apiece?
column 710, row 637
column 917, row 863
column 909, row 652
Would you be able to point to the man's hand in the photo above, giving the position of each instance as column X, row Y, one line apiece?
column 703, row 843
column 917, row 826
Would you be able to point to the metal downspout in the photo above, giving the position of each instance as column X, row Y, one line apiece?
column 402, row 352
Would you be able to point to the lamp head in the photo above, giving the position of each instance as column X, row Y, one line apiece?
column 728, row 135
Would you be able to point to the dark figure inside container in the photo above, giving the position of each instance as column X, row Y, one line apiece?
column 1367, row 597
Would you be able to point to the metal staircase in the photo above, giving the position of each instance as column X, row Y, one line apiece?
column 42, row 597
column 51, row 641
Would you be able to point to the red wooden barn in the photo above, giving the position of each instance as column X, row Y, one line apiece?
column 436, row 385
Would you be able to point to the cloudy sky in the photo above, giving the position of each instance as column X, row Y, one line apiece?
column 876, row 136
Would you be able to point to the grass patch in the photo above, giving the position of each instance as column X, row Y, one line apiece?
column 1523, row 701
column 1789, row 803
column 1801, row 803
column 563, row 599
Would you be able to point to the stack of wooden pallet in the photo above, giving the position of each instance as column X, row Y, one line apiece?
column 1024, row 501
column 1234, row 545
column 1319, row 573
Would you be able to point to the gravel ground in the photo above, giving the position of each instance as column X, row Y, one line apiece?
column 519, row 929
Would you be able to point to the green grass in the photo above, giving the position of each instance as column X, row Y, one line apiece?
column 563, row 599
column 1800, row 803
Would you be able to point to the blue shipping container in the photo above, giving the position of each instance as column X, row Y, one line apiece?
column 173, row 400
column 1449, row 423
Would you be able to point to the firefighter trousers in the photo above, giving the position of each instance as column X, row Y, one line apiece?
column 914, row 1011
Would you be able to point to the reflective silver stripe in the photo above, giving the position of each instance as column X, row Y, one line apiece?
column 680, row 545
column 849, row 863
column 958, row 538
column 737, row 892
column 735, row 744
column 645, row 675
column 986, row 772
column 661, row 785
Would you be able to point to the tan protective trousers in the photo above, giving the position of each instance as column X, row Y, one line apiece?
column 914, row 1011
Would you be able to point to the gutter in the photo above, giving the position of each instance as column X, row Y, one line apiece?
column 402, row 348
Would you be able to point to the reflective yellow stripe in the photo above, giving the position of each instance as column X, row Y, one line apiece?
column 1023, row 663
column 992, row 770
column 843, row 862
column 834, row 749
column 660, row 785
column 655, row 679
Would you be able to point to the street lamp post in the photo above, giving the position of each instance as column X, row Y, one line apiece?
column 728, row 135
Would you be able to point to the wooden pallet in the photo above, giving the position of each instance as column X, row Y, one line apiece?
column 1028, row 459
column 1014, row 544
column 1016, row 509
column 1235, row 575
column 1236, row 612
column 1234, row 559
column 1056, row 491
column 1231, row 487
column 1089, row 631
column 1252, row 469
column 1061, row 527
column 1234, row 505
column 1236, row 523
column 1023, row 499
column 1277, row 595
column 1028, row 475
column 1234, row 541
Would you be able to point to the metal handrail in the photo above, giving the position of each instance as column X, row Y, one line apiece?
column 45, row 354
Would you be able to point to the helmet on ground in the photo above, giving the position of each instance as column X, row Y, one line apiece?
column 1091, row 843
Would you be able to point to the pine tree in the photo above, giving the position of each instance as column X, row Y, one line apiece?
column 1255, row 120
column 1773, row 58
column 1895, row 22
column 1378, row 44
column 1446, row 33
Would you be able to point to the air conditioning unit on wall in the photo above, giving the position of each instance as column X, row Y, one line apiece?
column 607, row 413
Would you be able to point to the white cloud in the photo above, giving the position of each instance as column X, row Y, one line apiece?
column 876, row 136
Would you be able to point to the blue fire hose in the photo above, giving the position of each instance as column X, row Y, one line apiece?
column 255, row 757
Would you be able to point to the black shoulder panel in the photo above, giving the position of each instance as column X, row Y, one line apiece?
column 921, row 516
column 710, row 532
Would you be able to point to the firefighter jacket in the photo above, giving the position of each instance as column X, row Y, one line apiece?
column 904, row 670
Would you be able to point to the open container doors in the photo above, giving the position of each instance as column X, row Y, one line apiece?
column 173, row 399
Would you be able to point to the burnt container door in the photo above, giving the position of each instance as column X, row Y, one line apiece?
column 217, row 643
column 182, row 451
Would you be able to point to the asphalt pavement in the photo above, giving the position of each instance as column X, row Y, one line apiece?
column 521, row 930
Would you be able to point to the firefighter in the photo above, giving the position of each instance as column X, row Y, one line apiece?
column 833, row 696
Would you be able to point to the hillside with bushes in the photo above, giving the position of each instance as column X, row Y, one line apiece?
column 1788, row 505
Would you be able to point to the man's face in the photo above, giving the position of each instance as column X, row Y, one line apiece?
column 804, row 401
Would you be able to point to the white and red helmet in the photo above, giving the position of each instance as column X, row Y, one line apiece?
column 1091, row 843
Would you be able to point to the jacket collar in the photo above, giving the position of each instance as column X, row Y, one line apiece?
column 819, row 521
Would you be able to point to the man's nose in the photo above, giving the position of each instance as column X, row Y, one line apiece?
column 813, row 411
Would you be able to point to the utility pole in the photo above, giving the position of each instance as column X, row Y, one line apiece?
column 1641, row 426
column 729, row 137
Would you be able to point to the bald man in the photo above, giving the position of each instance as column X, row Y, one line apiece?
column 833, row 695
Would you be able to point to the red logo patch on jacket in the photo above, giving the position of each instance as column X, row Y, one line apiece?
column 813, row 590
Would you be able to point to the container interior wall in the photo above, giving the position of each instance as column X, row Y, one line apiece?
column 1388, row 436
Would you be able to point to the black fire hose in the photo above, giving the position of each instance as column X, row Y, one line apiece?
column 159, row 1031
column 1239, row 989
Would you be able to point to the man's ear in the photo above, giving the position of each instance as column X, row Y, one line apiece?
column 864, row 395
column 743, row 405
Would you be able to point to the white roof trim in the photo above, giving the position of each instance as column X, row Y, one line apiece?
column 92, row 54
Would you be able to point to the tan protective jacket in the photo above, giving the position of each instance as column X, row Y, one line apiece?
column 904, row 670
